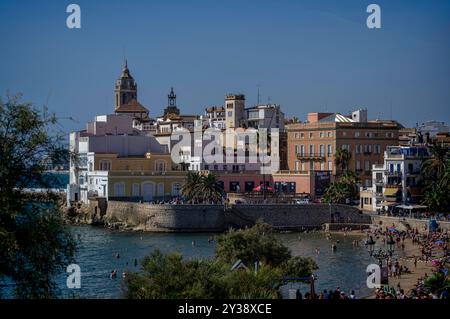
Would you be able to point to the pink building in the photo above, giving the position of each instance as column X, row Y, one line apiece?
column 283, row 182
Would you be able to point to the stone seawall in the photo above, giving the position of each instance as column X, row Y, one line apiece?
column 403, row 223
column 217, row 218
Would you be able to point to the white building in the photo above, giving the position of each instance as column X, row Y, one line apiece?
column 397, row 180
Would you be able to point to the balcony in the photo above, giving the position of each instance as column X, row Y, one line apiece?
column 311, row 156
column 394, row 174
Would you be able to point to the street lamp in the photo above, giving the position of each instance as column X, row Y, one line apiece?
column 381, row 255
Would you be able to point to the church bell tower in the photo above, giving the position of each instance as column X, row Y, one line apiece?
column 125, row 89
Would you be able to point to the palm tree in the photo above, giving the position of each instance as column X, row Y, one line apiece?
column 210, row 189
column 190, row 188
column 200, row 187
column 342, row 158
column 434, row 167
column 436, row 175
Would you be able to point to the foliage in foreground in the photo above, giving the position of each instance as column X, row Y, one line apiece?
column 34, row 242
column 170, row 276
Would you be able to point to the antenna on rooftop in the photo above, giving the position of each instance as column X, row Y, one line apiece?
column 257, row 99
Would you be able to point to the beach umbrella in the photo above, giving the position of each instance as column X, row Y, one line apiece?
column 261, row 187
column 435, row 262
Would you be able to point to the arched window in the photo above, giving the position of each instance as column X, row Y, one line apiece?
column 119, row 189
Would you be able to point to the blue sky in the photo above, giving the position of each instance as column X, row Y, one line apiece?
column 315, row 55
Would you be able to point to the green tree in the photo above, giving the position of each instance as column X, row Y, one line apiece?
column 191, row 186
column 251, row 245
column 170, row 276
column 346, row 187
column 435, row 172
column 201, row 187
column 342, row 159
column 210, row 189
column 434, row 167
column 436, row 283
column 34, row 242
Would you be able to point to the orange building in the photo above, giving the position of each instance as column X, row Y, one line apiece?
column 311, row 146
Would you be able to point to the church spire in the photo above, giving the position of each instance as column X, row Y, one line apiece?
column 172, row 108
column 126, row 88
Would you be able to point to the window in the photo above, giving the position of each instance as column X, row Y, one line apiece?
column 105, row 165
column 160, row 166
column 311, row 165
column 322, row 150
column 389, row 134
column 302, row 135
column 377, row 149
column 302, row 149
column 176, row 189
column 297, row 166
column 322, row 166
column 160, row 189
column 296, row 149
column 329, row 134
column 356, row 134
column 330, row 150
column 358, row 165
column 322, row 134
column 119, row 189
column 367, row 166
column 311, row 149
column 234, row 187
column 311, row 135
column 358, row 148
column 135, row 190
column 249, row 186
column 330, row 165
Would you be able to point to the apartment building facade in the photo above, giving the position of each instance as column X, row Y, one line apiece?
column 397, row 181
column 312, row 145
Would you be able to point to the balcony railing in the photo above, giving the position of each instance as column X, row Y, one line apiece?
column 311, row 156
column 394, row 174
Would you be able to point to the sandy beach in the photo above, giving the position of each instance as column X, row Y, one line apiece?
column 408, row 281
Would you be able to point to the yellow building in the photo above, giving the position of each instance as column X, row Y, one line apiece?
column 147, row 178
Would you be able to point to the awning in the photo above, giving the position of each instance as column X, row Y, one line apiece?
column 410, row 207
column 390, row 191
column 388, row 204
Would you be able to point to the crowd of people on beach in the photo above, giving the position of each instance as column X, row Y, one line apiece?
column 434, row 251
